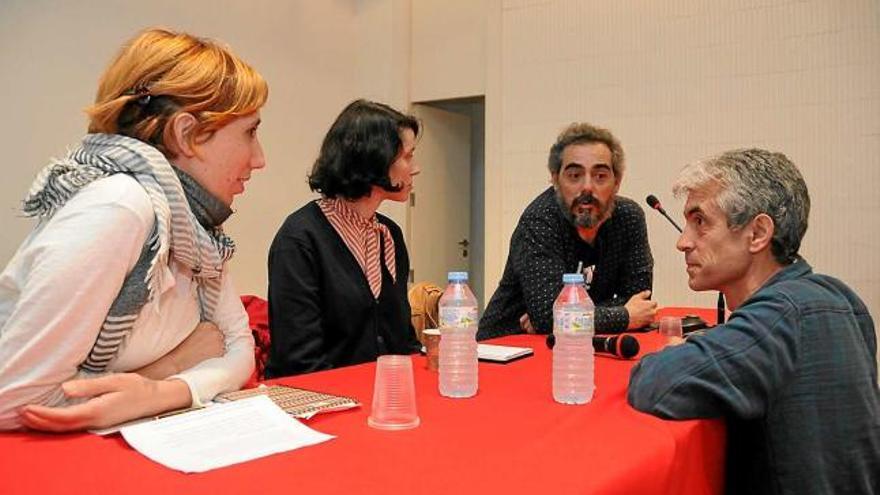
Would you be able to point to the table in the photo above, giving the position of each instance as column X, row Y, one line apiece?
column 709, row 315
column 511, row 438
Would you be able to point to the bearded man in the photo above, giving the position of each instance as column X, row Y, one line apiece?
column 579, row 221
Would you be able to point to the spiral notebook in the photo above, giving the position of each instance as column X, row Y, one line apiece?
column 298, row 402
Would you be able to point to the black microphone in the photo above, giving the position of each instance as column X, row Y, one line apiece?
column 622, row 346
column 719, row 311
column 654, row 203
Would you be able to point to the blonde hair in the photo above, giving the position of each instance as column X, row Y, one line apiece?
column 160, row 73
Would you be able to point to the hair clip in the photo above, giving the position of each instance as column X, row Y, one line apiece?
column 143, row 94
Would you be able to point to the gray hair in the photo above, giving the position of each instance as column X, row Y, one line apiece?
column 755, row 181
column 584, row 133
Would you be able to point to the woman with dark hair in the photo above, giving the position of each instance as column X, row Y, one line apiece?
column 338, row 269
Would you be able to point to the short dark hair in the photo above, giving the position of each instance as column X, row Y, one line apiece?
column 359, row 149
column 584, row 133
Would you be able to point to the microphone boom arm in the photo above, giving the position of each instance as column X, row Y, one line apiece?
column 654, row 203
column 663, row 212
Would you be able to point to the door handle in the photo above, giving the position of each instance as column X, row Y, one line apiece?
column 464, row 247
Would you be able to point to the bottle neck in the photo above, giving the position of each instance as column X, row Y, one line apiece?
column 574, row 292
column 458, row 286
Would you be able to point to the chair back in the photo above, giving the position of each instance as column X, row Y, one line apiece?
column 258, row 320
column 424, row 300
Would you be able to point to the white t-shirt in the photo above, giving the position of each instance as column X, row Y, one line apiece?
column 58, row 287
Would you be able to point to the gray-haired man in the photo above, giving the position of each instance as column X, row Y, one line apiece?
column 793, row 370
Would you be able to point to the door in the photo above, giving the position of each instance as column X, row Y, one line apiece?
column 439, row 211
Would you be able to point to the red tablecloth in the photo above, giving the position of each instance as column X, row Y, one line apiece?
column 511, row 438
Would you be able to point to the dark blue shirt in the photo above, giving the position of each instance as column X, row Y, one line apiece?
column 794, row 373
column 545, row 245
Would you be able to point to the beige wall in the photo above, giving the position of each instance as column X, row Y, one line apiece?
column 449, row 49
column 383, row 64
column 677, row 81
column 52, row 52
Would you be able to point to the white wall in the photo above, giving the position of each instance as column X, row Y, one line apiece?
column 448, row 49
column 383, row 65
column 676, row 81
column 52, row 53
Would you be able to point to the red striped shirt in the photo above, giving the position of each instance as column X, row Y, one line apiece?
column 361, row 235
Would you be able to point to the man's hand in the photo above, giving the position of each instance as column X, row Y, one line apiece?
column 113, row 399
column 641, row 310
column 525, row 324
column 205, row 342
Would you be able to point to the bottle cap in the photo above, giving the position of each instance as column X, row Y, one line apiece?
column 457, row 277
column 572, row 278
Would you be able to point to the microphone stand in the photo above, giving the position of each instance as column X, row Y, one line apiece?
column 719, row 315
column 663, row 212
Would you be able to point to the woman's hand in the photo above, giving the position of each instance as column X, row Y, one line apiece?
column 112, row 399
column 205, row 342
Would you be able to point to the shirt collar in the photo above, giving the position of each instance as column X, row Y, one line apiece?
column 796, row 269
column 344, row 209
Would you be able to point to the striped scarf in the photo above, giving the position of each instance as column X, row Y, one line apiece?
column 176, row 232
column 361, row 235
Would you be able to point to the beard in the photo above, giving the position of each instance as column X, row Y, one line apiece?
column 586, row 219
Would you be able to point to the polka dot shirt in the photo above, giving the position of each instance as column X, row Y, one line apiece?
column 545, row 245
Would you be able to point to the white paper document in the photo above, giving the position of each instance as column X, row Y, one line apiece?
column 221, row 435
column 501, row 353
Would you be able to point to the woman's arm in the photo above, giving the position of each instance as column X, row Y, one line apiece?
column 232, row 369
column 205, row 342
column 110, row 400
column 68, row 274
column 116, row 398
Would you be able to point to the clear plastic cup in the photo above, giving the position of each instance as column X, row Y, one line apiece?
column 670, row 330
column 394, row 394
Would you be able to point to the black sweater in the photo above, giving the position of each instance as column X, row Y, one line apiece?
column 545, row 245
column 322, row 314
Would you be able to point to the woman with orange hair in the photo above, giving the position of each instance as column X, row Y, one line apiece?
column 118, row 305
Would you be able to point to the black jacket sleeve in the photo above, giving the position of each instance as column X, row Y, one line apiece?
column 636, row 274
column 540, row 265
column 295, row 310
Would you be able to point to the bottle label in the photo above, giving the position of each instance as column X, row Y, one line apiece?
column 458, row 317
column 572, row 322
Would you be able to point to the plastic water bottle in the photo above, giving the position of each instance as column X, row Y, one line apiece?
column 458, row 338
column 573, row 328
